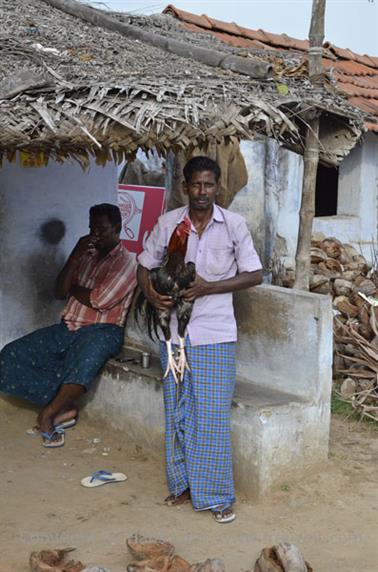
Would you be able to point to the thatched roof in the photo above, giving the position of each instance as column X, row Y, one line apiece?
column 70, row 89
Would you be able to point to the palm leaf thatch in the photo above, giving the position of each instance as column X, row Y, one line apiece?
column 72, row 89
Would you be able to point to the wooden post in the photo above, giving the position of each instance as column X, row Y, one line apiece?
column 311, row 153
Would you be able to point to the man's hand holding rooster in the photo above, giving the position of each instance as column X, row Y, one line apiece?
column 199, row 287
column 159, row 301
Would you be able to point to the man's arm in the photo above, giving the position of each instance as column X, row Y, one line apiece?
column 159, row 301
column 65, row 281
column 200, row 287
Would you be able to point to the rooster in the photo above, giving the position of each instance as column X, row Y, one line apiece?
column 170, row 279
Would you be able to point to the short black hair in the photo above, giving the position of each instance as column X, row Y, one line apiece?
column 201, row 163
column 105, row 209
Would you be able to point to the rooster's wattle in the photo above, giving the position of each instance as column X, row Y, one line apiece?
column 171, row 279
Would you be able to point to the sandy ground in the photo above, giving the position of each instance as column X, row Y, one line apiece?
column 331, row 515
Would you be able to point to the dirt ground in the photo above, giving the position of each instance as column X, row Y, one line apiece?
column 332, row 515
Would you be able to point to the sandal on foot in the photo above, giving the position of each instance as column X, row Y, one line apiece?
column 224, row 515
column 174, row 500
column 64, row 425
column 54, row 439
column 101, row 478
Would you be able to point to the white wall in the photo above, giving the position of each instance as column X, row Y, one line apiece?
column 29, row 259
column 357, row 208
column 271, row 200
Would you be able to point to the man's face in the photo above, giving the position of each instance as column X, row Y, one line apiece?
column 202, row 190
column 103, row 232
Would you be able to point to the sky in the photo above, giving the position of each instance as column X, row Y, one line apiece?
column 349, row 23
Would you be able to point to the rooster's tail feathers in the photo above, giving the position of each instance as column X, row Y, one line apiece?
column 144, row 308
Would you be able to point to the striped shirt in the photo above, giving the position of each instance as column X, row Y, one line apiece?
column 112, row 280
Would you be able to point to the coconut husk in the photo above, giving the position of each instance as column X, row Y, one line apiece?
column 365, row 286
column 342, row 287
column 332, row 247
column 54, row 561
column 334, row 265
column 322, row 269
column 283, row 557
column 317, row 280
column 317, row 255
column 210, row 565
column 317, row 238
column 142, row 548
column 159, row 564
column 345, row 307
column 351, row 275
column 356, row 300
column 322, row 289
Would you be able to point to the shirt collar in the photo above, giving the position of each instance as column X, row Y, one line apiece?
column 217, row 214
column 112, row 252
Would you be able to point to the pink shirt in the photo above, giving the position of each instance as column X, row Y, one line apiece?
column 224, row 249
column 112, row 280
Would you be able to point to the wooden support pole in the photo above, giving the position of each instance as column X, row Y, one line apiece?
column 311, row 153
column 307, row 210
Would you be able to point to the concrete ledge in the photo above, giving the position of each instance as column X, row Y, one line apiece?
column 280, row 424
column 275, row 434
column 285, row 340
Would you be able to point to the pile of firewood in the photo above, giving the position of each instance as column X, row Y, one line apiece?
column 339, row 270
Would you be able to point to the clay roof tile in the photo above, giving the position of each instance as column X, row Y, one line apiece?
column 201, row 21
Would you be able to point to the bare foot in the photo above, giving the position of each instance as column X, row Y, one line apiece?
column 173, row 500
column 45, row 421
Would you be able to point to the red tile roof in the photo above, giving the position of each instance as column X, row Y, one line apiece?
column 356, row 75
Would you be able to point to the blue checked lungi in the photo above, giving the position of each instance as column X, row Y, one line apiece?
column 35, row 366
column 197, row 431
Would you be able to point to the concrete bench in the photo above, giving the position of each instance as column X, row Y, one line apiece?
column 280, row 413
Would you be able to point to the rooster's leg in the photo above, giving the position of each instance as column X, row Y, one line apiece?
column 182, row 362
column 164, row 321
column 171, row 364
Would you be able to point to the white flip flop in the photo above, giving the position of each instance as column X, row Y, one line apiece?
column 102, row 478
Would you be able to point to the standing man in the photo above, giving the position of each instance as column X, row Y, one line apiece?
column 54, row 366
column 198, row 438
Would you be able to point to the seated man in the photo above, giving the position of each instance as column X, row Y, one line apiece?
column 54, row 366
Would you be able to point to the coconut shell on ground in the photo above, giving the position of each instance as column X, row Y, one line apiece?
column 283, row 557
column 142, row 548
column 54, row 561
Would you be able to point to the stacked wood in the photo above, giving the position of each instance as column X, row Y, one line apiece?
column 339, row 270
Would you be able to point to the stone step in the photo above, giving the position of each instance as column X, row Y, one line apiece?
column 275, row 434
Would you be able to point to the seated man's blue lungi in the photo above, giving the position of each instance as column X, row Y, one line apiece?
column 36, row 365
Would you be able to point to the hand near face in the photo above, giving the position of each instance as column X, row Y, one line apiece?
column 84, row 244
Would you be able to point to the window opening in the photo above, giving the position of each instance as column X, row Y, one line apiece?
column 327, row 179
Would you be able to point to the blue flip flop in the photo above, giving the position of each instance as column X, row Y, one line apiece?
column 54, row 439
column 64, row 425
